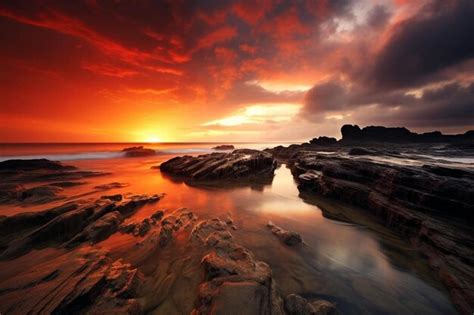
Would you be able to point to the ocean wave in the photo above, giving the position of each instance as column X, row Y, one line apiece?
column 99, row 155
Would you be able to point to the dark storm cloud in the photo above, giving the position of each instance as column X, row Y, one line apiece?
column 439, row 36
column 420, row 76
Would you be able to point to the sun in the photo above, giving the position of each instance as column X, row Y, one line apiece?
column 152, row 139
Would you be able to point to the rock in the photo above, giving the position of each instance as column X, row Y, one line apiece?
column 40, row 170
column 138, row 151
column 116, row 197
column 239, row 164
column 290, row 238
column 322, row 307
column 353, row 134
column 128, row 228
column 68, row 225
column 323, row 141
column 224, row 147
column 34, row 164
column 40, row 194
column 297, row 305
column 158, row 215
column 144, row 227
column 235, row 282
column 100, row 229
column 77, row 282
column 431, row 206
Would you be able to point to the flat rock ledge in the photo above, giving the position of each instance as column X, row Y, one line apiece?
column 430, row 205
column 239, row 164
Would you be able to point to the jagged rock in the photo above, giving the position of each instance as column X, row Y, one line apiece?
column 244, row 163
column 353, row 134
column 144, row 227
column 100, row 229
column 323, row 141
column 28, row 171
column 224, row 147
column 235, row 282
column 290, row 238
column 41, row 194
column 69, row 225
column 158, row 215
column 73, row 283
column 138, row 151
column 430, row 205
column 117, row 197
column 34, row 164
column 128, row 228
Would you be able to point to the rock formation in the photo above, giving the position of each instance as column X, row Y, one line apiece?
column 138, row 151
column 354, row 134
column 290, row 238
column 431, row 205
column 224, row 147
column 16, row 174
column 239, row 164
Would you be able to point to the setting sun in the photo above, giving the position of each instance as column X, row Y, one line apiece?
column 152, row 139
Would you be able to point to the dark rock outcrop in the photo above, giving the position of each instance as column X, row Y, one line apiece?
column 75, row 283
column 33, row 165
column 323, row 141
column 244, row 163
column 433, row 206
column 353, row 134
column 224, row 147
column 29, row 171
column 67, row 225
column 138, row 151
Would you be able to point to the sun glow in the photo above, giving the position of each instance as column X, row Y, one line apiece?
column 152, row 139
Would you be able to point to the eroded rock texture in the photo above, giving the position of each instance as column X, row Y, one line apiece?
column 431, row 205
column 235, row 283
column 16, row 174
column 87, row 281
column 239, row 164
column 67, row 225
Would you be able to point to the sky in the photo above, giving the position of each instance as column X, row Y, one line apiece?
column 270, row 70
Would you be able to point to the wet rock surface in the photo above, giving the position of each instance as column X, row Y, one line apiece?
column 41, row 170
column 297, row 305
column 290, row 238
column 239, row 164
column 431, row 205
column 78, row 282
column 67, row 225
column 20, row 180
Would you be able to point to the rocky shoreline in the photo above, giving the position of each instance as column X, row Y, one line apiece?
column 68, row 273
column 429, row 204
column 65, row 258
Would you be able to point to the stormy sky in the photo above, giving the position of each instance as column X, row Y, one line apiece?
column 232, row 70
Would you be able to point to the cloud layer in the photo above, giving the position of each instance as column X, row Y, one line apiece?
column 213, row 70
